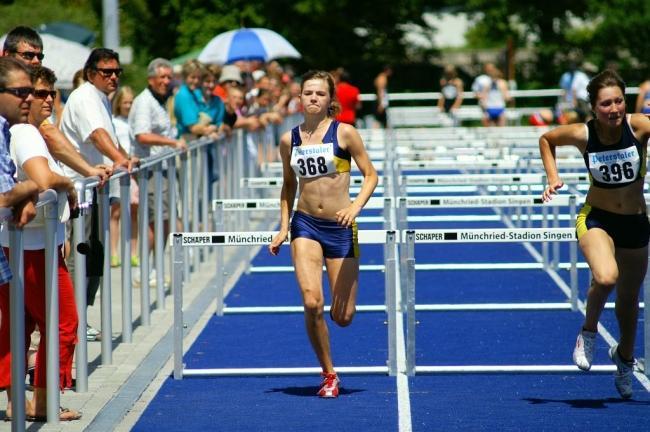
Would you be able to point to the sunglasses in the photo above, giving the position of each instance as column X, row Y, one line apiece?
column 29, row 55
column 43, row 94
column 107, row 72
column 20, row 92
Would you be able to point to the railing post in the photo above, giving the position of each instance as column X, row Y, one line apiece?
column 143, row 237
column 159, row 238
column 125, row 242
column 195, row 201
column 106, row 302
column 50, row 212
column 80, row 285
column 185, row 209
column 17, row 307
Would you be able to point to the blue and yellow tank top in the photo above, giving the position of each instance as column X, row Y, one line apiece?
column 616, row 165
column 315, row 160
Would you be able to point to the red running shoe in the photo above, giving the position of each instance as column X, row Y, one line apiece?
column 330, row 386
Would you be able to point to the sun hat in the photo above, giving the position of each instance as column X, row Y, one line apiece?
column 230, row 73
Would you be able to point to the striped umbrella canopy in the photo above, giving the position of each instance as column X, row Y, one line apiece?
column 247, row 44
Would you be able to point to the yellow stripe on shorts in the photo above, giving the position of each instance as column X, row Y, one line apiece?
column 581, row 220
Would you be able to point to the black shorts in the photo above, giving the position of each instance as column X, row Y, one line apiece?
column 627, row 231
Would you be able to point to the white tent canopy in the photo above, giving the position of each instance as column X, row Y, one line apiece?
column 64, row 57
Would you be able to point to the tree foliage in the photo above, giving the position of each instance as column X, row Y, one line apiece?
column 606, row 34
column 363, row 35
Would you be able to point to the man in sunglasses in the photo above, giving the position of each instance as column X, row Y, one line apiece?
column 87, row 124
column 16, row 95
column 25, row 45
column 15, row 98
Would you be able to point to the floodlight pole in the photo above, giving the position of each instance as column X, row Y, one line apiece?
column 111, row 24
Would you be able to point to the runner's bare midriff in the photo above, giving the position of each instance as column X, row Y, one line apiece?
column 627, row 200
column 323, row 196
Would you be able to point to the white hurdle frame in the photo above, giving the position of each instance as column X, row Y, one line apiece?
column 411, row 237
column 256, row 238
column 221, row 206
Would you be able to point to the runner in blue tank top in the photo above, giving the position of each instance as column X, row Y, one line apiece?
column 323, row 227
column 612, row 226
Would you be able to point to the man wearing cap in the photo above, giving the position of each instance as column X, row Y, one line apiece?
column 230, row 77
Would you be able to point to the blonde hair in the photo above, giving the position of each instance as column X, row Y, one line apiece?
column 191, row 66
column 119, row 95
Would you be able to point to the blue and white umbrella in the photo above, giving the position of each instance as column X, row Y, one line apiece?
column 247, row 44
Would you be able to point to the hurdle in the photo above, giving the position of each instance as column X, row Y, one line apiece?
column 411, row 237
column 221, row 206
column 179, row 241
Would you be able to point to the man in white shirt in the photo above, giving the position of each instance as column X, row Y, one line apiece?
column 152, row 130
column 87, row 123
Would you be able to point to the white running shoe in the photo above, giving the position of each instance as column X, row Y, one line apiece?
column 583, row 353
column 623, row 374
column 329, row 386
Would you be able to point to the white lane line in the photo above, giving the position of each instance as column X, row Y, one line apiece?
column 403, row 392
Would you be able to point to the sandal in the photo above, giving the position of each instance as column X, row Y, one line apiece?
column 65, row 414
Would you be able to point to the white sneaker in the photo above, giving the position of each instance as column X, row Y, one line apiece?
column 623, row 374
column 583, row 353
column 92, row 334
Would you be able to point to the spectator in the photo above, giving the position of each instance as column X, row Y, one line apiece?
column 26, row 45
column 451, row 88
column 261, row 82
column 643, row 98
column 493, row 99
column 152, row 130
column 78, row 79
column 15, row 99
column 88, row 125
column 30, row 154
column 212, row 111
column 575, row 97
column 348, row 96
column 24, row 40
column 294, row 105
column 122, row 102
column 381, row 89
column 188, row 102
column 230, row 77
column 235, row 105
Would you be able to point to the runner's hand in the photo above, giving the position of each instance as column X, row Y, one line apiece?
column 552, row 189
column 346, row 216
column 274, row 247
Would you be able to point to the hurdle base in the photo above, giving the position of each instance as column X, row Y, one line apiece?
column 289, row 371
column 509, row 369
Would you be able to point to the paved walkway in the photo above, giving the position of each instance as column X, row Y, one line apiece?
column 118, row 393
